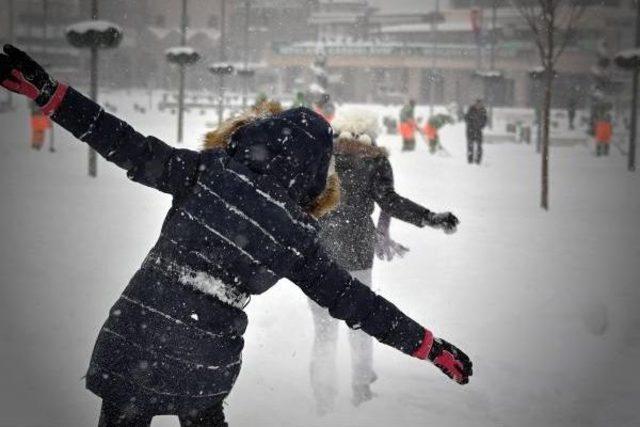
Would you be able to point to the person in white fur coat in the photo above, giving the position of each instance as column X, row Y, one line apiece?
column 349, row 236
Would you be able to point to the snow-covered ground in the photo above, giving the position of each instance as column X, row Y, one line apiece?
column 545, row 303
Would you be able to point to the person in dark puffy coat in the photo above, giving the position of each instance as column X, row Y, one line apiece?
column 350, row 238
column 242, row 217
column 476, row 120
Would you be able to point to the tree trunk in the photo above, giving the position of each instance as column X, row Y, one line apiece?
column 183, row 42
column 181, row 103
column 546, row 115
column 634, row 101
column 93, row 94
column 93, row 90
column 549, row 17
column 634, row 123
column 11, row 40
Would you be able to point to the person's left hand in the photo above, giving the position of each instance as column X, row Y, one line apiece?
column 21, row 74
column 445, row 220
column 452, row 361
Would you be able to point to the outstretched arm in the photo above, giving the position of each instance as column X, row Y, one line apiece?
column 402, row 208
column 147, row 160
column 351, row 301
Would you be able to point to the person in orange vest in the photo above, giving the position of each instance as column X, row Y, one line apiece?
column 408, row 126
column 604, row 130
column 430, row 130
column 40, row 123
column 431, row 135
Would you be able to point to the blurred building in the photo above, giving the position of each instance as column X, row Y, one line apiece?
column 378, row 51
column 385, row 55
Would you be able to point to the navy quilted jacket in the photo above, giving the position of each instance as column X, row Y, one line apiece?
column 173, row 340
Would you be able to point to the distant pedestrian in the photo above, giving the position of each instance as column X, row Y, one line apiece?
column 572, row 104
column 408, row 126
column 40, row 123
column 603, row 131
column 431, row 128
column 431, row 135
column 476, row 120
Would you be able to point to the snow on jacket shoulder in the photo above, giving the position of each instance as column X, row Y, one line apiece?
column 174, row 337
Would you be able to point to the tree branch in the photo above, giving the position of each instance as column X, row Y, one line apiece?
column 531, row 15
column 575, row 14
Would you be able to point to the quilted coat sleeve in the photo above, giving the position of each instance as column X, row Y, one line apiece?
column 389, row 201
column 146, row 159
column 349, row 300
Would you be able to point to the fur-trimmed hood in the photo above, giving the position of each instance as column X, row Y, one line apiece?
column 354, row 147
column 294, row 146
column 356, row 131
column 357, row 123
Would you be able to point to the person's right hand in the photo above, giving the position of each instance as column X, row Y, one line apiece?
column 21, row 74
column 387, row 248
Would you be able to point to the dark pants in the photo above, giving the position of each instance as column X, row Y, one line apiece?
column 474, row 148
column 602, row 148
column 433, row 146
column 408, row 144
column 111, row 416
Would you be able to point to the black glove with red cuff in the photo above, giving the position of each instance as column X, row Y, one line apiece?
column 447, row 221
column 21, row 74
column 447, row 357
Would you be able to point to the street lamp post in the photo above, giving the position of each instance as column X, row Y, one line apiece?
column 492, row 60
column 183, row 42
column 634, row 99
column 630, row 60
column 45, row 15
column 434, row 42
column 94, row 35
column 245, row 53
column 221, row 69
column 182, row 56
column 10, row 13
column 223, row 57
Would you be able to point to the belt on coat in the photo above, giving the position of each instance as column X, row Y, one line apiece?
column 200, row 280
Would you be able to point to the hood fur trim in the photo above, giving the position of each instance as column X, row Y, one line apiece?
column 219, row 138
column 328, row 200
column 355, row 122
column 353, row 147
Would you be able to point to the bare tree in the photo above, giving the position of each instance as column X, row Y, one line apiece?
column 552, row 24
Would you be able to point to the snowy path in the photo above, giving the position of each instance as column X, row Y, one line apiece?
column 545, row 303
